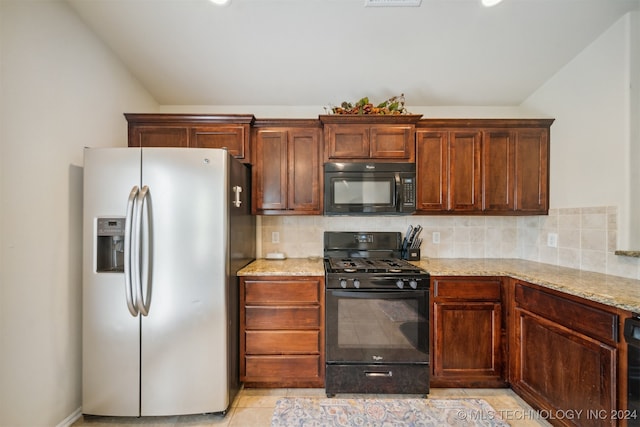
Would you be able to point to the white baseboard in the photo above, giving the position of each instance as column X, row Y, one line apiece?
column 71, row 418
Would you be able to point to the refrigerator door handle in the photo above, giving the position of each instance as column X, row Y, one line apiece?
column 237, row 190
column 128, row 224
column 143, row 224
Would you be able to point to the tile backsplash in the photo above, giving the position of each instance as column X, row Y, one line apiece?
column 585, row 238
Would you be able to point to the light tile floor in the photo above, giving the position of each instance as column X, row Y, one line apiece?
column 254, row 407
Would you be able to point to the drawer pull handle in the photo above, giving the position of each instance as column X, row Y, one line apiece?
column 379, row 374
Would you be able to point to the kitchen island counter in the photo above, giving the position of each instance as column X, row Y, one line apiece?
column 611, row 290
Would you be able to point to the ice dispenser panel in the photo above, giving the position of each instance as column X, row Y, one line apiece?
column 110, row 241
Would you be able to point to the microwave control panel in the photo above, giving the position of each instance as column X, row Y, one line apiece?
column 409, row 187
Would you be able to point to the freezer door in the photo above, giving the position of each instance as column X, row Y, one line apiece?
column 184, row 335
column 110, row 334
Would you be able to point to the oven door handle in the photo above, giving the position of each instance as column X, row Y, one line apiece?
column 369, row 295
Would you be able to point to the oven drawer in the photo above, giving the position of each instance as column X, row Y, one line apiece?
column 273, row 317
column 276, row 368
column 282, row 342
column 395, row 379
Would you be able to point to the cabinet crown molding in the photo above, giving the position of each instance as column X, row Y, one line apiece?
column 165, row 119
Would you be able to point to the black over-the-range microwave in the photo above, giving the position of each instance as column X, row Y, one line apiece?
column 369, row 188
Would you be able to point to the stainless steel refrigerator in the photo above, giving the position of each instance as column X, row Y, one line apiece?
column 165, row 231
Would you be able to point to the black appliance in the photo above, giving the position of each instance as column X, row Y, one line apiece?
column 632, row 337
column 369, row 188
column 377, row 316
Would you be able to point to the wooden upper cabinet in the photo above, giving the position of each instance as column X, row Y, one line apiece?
column 158, row 136
column 363, row 137
column 498, row 170
column 464, row 171
column 287, row 169
column 532, row 171
column 230, row 131
column 432, row 158
column 483, row 166
column 515, row 165
column 448, row 171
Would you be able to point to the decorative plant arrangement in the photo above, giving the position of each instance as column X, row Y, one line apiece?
column 392, row 106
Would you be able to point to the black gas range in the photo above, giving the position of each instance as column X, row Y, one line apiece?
column 369, row 260
column 377, row 316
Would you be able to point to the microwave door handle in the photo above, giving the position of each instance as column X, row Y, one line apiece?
column 398, row 191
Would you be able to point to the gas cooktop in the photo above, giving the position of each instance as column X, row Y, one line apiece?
column 370, row 265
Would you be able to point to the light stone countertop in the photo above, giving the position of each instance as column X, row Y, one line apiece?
column 615, row 291
column 286, row 267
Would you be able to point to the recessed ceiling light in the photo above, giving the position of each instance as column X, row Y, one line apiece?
column 220, row 2
column 489, row 3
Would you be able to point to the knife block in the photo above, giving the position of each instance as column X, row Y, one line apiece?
column 411, row 255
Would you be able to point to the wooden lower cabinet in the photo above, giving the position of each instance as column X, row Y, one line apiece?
column 564, row 356
column 468, row 332
column 282, row 331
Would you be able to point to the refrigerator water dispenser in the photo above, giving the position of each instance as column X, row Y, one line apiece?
column 110, row 245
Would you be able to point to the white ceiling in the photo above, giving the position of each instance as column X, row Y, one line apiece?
column 322, row 52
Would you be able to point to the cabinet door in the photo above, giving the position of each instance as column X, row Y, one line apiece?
column 347, row 142
column 464, row 171
column 270, row 171
column 560, row 370
column 158, row 136
column 459, row 327
column 234, row 138
column 392, row 142
column 532, row 171
column 467, row 314
column 432, row 171
column 498, row 171
column 305, row 174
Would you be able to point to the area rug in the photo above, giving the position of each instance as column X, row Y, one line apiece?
column 318, row 412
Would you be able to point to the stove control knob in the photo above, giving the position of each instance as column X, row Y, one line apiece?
column 356, row 283
column 413, row 284
column 343, row 283
column 400, row 284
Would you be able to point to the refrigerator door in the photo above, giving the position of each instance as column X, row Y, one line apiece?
column 184, row 336
column 110, row 334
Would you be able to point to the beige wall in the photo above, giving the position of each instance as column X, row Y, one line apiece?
column 61, row 90
column 592, row 139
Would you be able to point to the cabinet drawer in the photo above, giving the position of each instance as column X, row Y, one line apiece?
column 585, row 319
column 282, row 292
column 282, row 342
column 282, row 367
column 467, row 289
column 266, row 317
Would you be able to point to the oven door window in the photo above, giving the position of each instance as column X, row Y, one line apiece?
column 377, row 327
